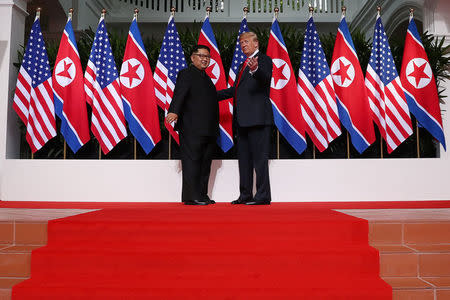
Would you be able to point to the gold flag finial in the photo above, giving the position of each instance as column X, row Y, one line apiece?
column 344, row 11
column 103, row 13
column 379, row 10
column 136, row 12
column 70, row 13
column 246, row 11
column 172, row 11
column 311, row 11
column 208, row 10
column 38, row 12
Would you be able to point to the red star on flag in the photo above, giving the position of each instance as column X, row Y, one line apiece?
column 419, row 73
column 277, row 73
column 343, row 72
column 65, row 72
column 132, row 74
column 209, row 71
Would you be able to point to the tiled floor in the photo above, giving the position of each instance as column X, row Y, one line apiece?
column 404, row 215
column 414, row 246
column 37, row 215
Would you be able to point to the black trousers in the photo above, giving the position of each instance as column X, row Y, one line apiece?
column 196, row 156
column 253, row 148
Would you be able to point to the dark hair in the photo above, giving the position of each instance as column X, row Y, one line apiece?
column 198, row 47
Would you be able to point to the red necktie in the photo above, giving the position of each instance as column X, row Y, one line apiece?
column 242, row 71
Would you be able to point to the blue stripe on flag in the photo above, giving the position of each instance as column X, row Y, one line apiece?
column 425, row 120
column 277, row 31
column 71, row 35
column 413, row 29
column 134, row 29
column 70, row 136
column 346, row 33
column 294, row 139
column 358, row 140
column 58, row 106
column 136, row 129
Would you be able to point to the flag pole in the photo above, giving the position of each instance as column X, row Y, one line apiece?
column 38, row 15
column 275, row 15
column 208, row 11
column 246, row 11
column 311, row 11
column 417, row 139
column 348, row 145
column 172, row 13
column 102, row 15
column 344, row 12
column 135, row 16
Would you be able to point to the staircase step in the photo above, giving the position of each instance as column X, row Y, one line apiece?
column 6, row 232
column 426, row 233
column 183, row 263
column 134, row 232
column 377, row 289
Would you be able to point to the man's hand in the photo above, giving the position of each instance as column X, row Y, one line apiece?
column 253, row 63
column 171, row 117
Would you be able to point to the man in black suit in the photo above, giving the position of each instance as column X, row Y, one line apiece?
column 195, row 108
column 253, row 120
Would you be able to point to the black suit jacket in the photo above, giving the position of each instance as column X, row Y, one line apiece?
column 252, row 105
column 195, row 102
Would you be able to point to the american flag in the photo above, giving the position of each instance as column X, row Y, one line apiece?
column 315, row 86
column 386, row 97
column 238, row 56
column 170, row 61
column 101, row 83
column 33, row 98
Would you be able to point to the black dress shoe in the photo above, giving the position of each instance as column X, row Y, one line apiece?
column 254, row 202
column 195, row 202
column 212, row 201
column 239, row 201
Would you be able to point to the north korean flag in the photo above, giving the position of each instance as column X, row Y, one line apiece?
column 138, row 92
column 217, row 74
column 351, row 93
column 420, row 85
column 283, row 92
column 68, row 89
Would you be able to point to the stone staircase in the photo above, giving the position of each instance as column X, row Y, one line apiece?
column 22, row 231
column 414, row 246
column 17, row 240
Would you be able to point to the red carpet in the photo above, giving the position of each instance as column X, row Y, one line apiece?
column 170, row 251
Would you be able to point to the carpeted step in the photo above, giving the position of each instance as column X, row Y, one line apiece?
column 173, row 263
column 140, row 233
column 373, row 289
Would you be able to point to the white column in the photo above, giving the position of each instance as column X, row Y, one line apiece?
column 12, row 24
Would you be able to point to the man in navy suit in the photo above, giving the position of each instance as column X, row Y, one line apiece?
column 253, row 120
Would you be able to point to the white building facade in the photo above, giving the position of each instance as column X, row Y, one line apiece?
column 160, row 180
